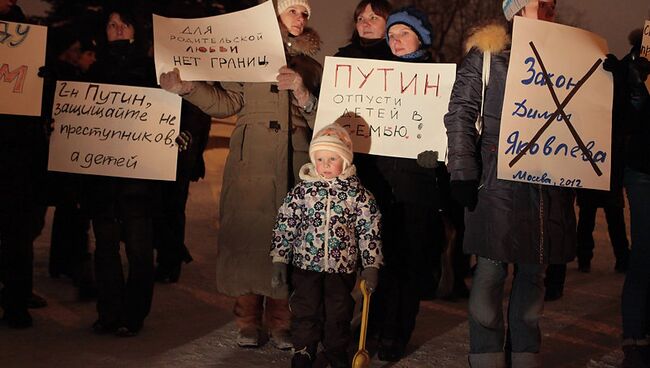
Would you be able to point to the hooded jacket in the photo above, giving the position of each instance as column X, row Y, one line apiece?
column 268, row 145
column 513, row 221
column 327, row 225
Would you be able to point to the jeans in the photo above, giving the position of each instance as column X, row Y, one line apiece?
column 634, row 304
column 486, row 322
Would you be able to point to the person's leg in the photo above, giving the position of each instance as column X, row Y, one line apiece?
column 585, row 246
column 524, row 312
column 615, row 216
column 248, row 310
column 339, row 308
column 278, row 319
column 108, row 273
column 486, row 325
column 634, row 301
column 554, row 281
column 139, row 285
column 306, row 304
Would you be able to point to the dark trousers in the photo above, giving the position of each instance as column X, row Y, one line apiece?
column 487, row 329
column 635, row 306
column 18, row 229
column 615, row 226
column 169, row 224
column 322, row 309
column 120, row 302
column 69, row 243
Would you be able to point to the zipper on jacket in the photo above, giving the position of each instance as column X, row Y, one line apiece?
column 327, row 229
column 541, row 224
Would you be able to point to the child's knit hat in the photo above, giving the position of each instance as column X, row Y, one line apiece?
column 333, row 138
column 284, row 4
column 512, row 7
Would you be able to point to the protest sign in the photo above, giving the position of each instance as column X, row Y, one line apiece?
column 111, row 130
column 390, row 108
column 556, row 133
column 22, row 53
column 244, row 46
column 645, row 47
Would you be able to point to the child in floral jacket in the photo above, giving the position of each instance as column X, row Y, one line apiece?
column 326, row 225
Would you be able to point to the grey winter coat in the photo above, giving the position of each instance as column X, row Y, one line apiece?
column 257, row 176
column 513, row 221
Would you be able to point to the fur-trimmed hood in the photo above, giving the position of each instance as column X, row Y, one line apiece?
column 308, row 43
column 493, row 37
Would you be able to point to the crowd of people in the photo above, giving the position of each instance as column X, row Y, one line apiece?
column 302, row 216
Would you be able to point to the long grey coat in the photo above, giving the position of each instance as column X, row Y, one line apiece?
column 257, row 176
column 513, row 221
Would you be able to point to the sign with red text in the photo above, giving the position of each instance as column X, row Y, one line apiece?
column 390, row 108
column 22, row 53
column 557, row 133
column 244, row 46
column 111, row 130
column 645, row 47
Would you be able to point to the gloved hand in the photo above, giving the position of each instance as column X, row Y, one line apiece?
column 47, row 72
column 288, row 79
column 171, row 82
column 184, row 140
column 465, row 192
column 612, row 64
column 371, row 276
column 279, row 274
column 428, row 159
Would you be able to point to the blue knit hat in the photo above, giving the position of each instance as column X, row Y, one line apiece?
column 415, row 19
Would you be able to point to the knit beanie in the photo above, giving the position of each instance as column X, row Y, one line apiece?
column 333, row 138
column 415, row 19
column 512, row 7
column 284, row 4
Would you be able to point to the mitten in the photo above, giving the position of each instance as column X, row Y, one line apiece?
column 184, row 140
column 428, row 159
column 279, row 274
column 371, row 276
column 465, row 192
column 171, row 82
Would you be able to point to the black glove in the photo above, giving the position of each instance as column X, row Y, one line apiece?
column 279, row 274
column 465, row 192
column 47, row 72
column 184, row 140
column 612, row 64
column 371, row 276
column 428, row 159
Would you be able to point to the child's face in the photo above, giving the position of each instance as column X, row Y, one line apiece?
column 328, row 164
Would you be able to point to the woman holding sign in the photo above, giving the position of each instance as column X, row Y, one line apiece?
column 506, row 221
column 267, row 148
column 407, row 192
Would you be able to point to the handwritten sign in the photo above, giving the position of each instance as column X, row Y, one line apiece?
column 22, row 52
column 645, row 47
column 556, row 133
column 390, row 108
column 244, row 46
column 105, row 129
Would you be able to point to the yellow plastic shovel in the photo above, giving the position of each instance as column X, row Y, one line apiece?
column 362, row 358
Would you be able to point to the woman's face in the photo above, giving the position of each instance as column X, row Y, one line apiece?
column 370, row 25
column 402, row 40
column 295, row 19
column 117, row 30
column 540, row 9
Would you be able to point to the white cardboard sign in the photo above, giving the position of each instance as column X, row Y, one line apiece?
column 390, row 108
column 556, row 157
column 244, row 46
column 645, row 47
column 22, row 52
column 111, row 130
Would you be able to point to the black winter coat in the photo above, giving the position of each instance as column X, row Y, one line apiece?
column 513, row 222
column 123, row 63
column 366, row 49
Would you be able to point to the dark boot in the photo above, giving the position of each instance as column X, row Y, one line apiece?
column 390, row 350
column 635, row 356
column 302, row 359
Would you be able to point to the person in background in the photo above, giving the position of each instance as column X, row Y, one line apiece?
column 368, row 40
column 267, row 148
column 326, row 224
column 23, row 167
column 407, row 192
column 504, row 219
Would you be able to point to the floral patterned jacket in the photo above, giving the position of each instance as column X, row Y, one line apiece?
column 328, row 225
